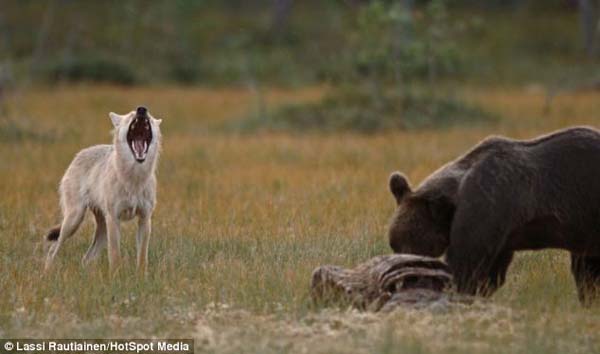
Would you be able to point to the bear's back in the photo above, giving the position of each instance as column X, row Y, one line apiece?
column 565, row 155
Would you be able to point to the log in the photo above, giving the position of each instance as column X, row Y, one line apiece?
column 384, row 282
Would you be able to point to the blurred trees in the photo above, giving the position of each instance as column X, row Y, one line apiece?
column 281, row 12
column 223, row 42
column 589, row 11
column 387, row 75
column 390, row 63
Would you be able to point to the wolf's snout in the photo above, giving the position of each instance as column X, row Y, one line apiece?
column 141, row 111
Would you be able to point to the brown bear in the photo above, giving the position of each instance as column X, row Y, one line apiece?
column 503, row 196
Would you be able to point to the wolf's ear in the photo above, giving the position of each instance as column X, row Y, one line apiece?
column 157, row 121
column 115, row 119
column 399, row 186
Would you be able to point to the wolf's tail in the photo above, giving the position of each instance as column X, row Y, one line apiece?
column 53, row 234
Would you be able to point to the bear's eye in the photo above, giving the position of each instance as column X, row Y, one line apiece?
column 441, row 210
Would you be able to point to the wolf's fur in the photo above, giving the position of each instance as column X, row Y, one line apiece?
column 109, row 181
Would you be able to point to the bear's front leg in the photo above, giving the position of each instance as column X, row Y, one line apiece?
column 478, row 263
column 497, row 274
column 476, row 275
column 488, row 208
column 586, row 271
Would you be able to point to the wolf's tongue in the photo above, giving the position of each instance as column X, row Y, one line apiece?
column 139, row 148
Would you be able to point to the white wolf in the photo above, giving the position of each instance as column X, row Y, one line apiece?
column 116, row 182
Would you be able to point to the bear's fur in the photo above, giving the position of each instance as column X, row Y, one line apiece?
column 504, row 196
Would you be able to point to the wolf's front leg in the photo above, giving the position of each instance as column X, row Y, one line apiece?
column 143, row 240
column 114, row 240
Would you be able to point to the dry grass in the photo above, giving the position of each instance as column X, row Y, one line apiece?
column 242, row 221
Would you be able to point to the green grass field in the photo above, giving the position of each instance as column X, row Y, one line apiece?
column 242, row 220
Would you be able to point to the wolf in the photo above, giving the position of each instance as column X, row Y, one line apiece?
column 116, row 183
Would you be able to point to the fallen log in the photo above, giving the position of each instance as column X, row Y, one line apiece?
column 384, row 282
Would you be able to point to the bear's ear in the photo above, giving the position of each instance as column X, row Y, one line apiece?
column 399, row 186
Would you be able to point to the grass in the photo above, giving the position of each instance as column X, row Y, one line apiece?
column 357, row 110
column 242, row 220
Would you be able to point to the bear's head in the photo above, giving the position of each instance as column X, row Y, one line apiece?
column 421, row 223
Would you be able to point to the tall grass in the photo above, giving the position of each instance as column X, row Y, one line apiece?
column 241, row 221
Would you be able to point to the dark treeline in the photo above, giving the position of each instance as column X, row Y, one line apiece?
column 281, row 41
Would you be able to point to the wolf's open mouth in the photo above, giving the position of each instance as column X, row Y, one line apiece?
column 139, row 137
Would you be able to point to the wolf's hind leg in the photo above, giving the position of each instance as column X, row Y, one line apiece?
column 99, row 241
column 70, row 224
